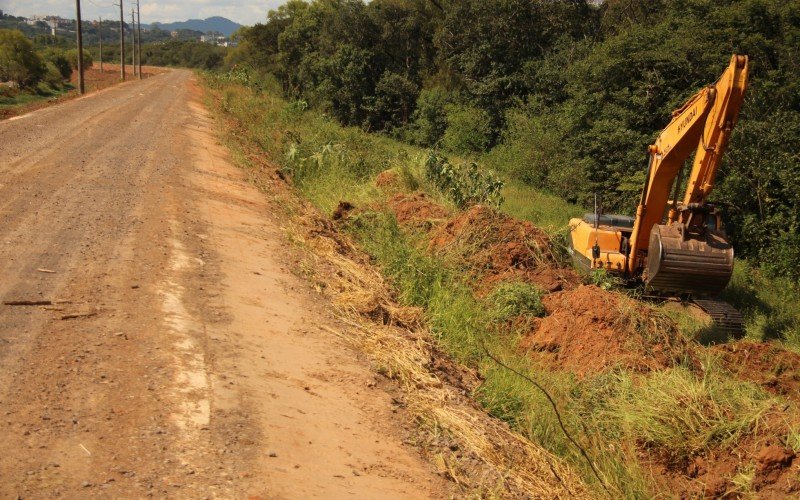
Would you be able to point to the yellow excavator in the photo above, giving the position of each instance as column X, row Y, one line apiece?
column 677, row 248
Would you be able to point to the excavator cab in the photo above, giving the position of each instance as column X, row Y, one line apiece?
column 600, row 241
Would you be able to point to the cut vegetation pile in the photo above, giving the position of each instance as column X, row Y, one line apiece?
column 492, row 247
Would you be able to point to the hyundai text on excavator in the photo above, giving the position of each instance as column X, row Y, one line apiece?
column 677, row 248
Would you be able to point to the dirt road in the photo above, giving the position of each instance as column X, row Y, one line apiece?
column 174, row 351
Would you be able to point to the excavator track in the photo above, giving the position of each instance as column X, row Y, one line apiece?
column 726, row 318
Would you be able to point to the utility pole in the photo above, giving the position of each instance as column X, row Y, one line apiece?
column 121, row 42
column 80, row 47
column 100, row 35
column 133, row 41
column 139, row 23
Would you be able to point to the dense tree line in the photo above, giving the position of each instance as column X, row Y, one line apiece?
column 563, row 94
column 176, row 53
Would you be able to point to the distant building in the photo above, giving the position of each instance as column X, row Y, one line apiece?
column 52, row 21
column 215, row 38
column 173, row 34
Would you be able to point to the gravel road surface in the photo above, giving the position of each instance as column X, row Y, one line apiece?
column 167, row 349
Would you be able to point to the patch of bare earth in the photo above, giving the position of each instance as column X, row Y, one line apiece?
column 589, row 330
column 765, row 363
column 156, row 341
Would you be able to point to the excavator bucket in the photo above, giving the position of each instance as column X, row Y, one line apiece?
column 686, row 264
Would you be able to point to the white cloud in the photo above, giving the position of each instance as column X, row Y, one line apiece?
column 242, row 11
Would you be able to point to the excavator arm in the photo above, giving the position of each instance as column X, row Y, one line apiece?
column 687, row 254
column 717, row 131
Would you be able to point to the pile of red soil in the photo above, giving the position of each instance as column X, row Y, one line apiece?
column 494, row 247
column 416, row 208
column 710, row 475
column 589, row 330
column 767, row 364
column 388, row 180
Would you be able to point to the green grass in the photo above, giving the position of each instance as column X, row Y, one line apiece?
column 770, row 306
column 679, row 411
column 19, row 100
column 10, row 100
column 547, row 211
column 714, row 409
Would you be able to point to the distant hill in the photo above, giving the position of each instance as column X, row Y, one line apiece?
column 221, row 24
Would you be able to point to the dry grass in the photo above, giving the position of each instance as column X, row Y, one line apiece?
column 500, row 462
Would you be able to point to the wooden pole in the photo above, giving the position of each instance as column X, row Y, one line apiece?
column 100, row 36
column 81, row 87
column 139, row 23
column 133, row 41
column 121, row 42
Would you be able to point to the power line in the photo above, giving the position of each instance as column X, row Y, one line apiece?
column 109, row 6
column 555, row 411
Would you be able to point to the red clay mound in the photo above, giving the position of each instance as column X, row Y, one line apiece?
column 416, row 208
column 767, row 364
column 388, row 179
column 711, row 474
column 493, row 247
column 589, row 330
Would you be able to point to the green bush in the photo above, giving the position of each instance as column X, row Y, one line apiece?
column 393, row 102
column 72, row 56
column 53, row 76
column 468, row 130
column 464, row 184
column 60, row 60
column 19, row 62
column 430, row 117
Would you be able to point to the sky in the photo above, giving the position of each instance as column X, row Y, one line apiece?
column 246, row 12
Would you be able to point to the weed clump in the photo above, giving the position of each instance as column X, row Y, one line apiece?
column 683, row 414
column 464, row 184
column 515, row 299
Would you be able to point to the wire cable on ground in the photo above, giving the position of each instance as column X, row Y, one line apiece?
column 555, row 410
